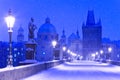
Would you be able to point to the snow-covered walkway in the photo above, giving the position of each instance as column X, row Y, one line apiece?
column 82, row 70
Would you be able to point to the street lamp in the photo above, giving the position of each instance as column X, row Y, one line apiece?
column 64, row 48
column 101, row 51
column 54, row 43
column 96, row 53
column 109, row 49
column 64, row 51
column 68, row 51
column 93, row 56
column 101, row 54
column 10, row 22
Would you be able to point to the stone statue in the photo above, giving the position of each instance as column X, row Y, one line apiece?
column 31, row 28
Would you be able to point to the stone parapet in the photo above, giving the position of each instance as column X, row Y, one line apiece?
column 17, row 73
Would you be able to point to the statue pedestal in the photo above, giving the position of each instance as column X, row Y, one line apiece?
column 30, row 50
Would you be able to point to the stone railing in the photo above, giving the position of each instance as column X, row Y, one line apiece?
column 110, row 62
column 16, row 73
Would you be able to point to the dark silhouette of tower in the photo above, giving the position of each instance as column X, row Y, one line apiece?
column 63, row 38
column 92, row 35
column 20, row 36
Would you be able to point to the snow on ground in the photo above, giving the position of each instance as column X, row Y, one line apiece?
column 79, row 70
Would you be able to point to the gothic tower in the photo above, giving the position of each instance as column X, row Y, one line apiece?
column 63, row 38
column 92, row 35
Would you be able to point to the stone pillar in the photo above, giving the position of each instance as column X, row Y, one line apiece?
column 30, row 50
column 56, row 53
column 61, row 53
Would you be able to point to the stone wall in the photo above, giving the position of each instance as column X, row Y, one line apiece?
column 16, row 73
column 110, row 62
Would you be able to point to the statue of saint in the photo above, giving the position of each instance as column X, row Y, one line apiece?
column 31, row 28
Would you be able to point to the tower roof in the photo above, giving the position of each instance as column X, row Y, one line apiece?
column 21, row 29
column 63, row 34
column 72, row 36
column 90, row 18
column 47, row 27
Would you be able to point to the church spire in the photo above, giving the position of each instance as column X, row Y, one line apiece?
column 63, row 38
column 63, row 34
column 77, row 33
column 90, row 18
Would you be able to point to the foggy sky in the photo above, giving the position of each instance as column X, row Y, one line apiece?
column 67, row 14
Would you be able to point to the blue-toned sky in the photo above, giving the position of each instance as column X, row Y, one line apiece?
column 67, row 14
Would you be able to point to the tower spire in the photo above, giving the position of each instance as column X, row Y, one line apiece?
column 77, row 33
column 90, row 18
column 63, row 34
column 63, row 38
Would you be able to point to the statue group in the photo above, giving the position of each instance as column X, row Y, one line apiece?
column 31, row 47
column 31, row 28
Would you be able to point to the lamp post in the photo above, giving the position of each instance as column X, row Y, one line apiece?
column 64, row 52
column 64, row 48
column 54, row 43
column 101, row 55
column 101, row 51
column 109, row 51
column 97, row 55
column 10, row 22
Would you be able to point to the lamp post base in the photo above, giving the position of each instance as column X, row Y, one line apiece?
column 10, row 61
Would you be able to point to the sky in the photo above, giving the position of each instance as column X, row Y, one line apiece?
column 67, row 14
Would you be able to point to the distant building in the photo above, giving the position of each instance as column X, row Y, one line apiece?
column 3, row 55
column 92, row 35
column 63, row 44
column 114, row 53
column 18, row 50
column 20, row 36
column 45, row 35
column 18, row 53
column 75, row 43
column 63, row 39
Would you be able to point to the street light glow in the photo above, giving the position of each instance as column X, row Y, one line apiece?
column 101, row 51
column 109, row 49
column 73, row 54
column 96, row 53
column 10, row 20
column 93, row 55
column 64, row 48
column 54, row 43
column 68, row 51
